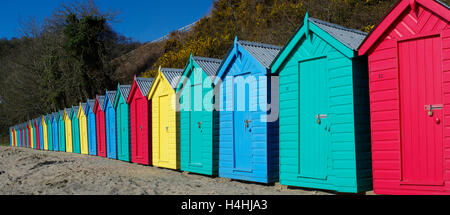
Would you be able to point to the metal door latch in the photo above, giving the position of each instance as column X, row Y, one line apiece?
column 430, row 108
column 247, row 122
column 200, row 125
column 319, row 118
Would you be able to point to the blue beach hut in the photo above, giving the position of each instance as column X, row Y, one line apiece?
column 92, row 129
column 111, row 125
column 41, row 133
column 248, row 137
column 55, row 133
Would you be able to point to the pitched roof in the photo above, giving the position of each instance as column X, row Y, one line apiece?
column 101, row 101
column 209, row 65
column 68, row 111
column 61, row 113
column 349, row 37
column 172, row 75
column 111, row 96
column 144, row 84
column 125, row 91
column 49, row 116
column 75, row 110
column 392, row 16
column 55, row 115
column 91, row 103
column 264, row 53
column 84, row 107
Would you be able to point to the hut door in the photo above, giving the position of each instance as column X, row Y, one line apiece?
column 243, row 124
column 140, row 128
column 196, row 125
column 314, row 123
column 163, row 128
column 421, row 102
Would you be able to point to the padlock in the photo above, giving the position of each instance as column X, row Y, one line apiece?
column 319, row 121
column 430, row 113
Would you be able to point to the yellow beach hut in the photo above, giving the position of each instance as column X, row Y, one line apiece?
column 165, row 144
column 68, row 129
column 44, row 133
column 30, row 126
column 83, row 129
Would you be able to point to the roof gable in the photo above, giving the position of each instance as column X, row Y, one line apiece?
column 123, row 91
column 172, row 76
column 437, row 7
column 110, row 97
column 99, row 102
column 210, row 67
column 90, row 106
column 144, row 85
column 262, row 53
column 345, row 40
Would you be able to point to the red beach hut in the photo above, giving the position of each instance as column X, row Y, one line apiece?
column 409, row 76
column 140, row 118
column 101, row 125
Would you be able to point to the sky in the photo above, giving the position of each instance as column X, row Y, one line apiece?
column 141, row 20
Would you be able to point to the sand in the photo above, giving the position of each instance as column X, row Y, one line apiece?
column 28, row 171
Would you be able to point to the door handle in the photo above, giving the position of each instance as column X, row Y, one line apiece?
column 319, row 118
column 430, row 108
column 247, row 122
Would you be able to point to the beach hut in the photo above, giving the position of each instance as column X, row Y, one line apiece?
column 61, row 131
column 409, row 71
column 100, row 125
column 140, row 120
column 11, row 135
column 84, row 145
column 111, row 125
column 68, row 129
column 41, row 133
column 92, row 127
column 29, row 135
column 35, row 128
column 75, row 129
column 166, row 146
column 199, row 129
column 248, row 138
column 324, row 113
column 55, row 131
column 19, row 135
column 123, row 123
column 44, row 133
column 49, row 133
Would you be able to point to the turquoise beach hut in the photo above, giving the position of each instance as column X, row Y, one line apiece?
column 123, row 123
column 92, row 129
column 199, row 130
column 324, row 109
column 48, row 121
column 61, row 131
column 75, row 129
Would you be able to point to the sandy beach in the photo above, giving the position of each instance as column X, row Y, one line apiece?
column 28, row 171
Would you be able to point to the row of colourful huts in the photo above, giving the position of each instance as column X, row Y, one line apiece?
column 356, row 111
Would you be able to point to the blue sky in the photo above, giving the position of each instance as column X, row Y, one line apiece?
column 142, row 20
